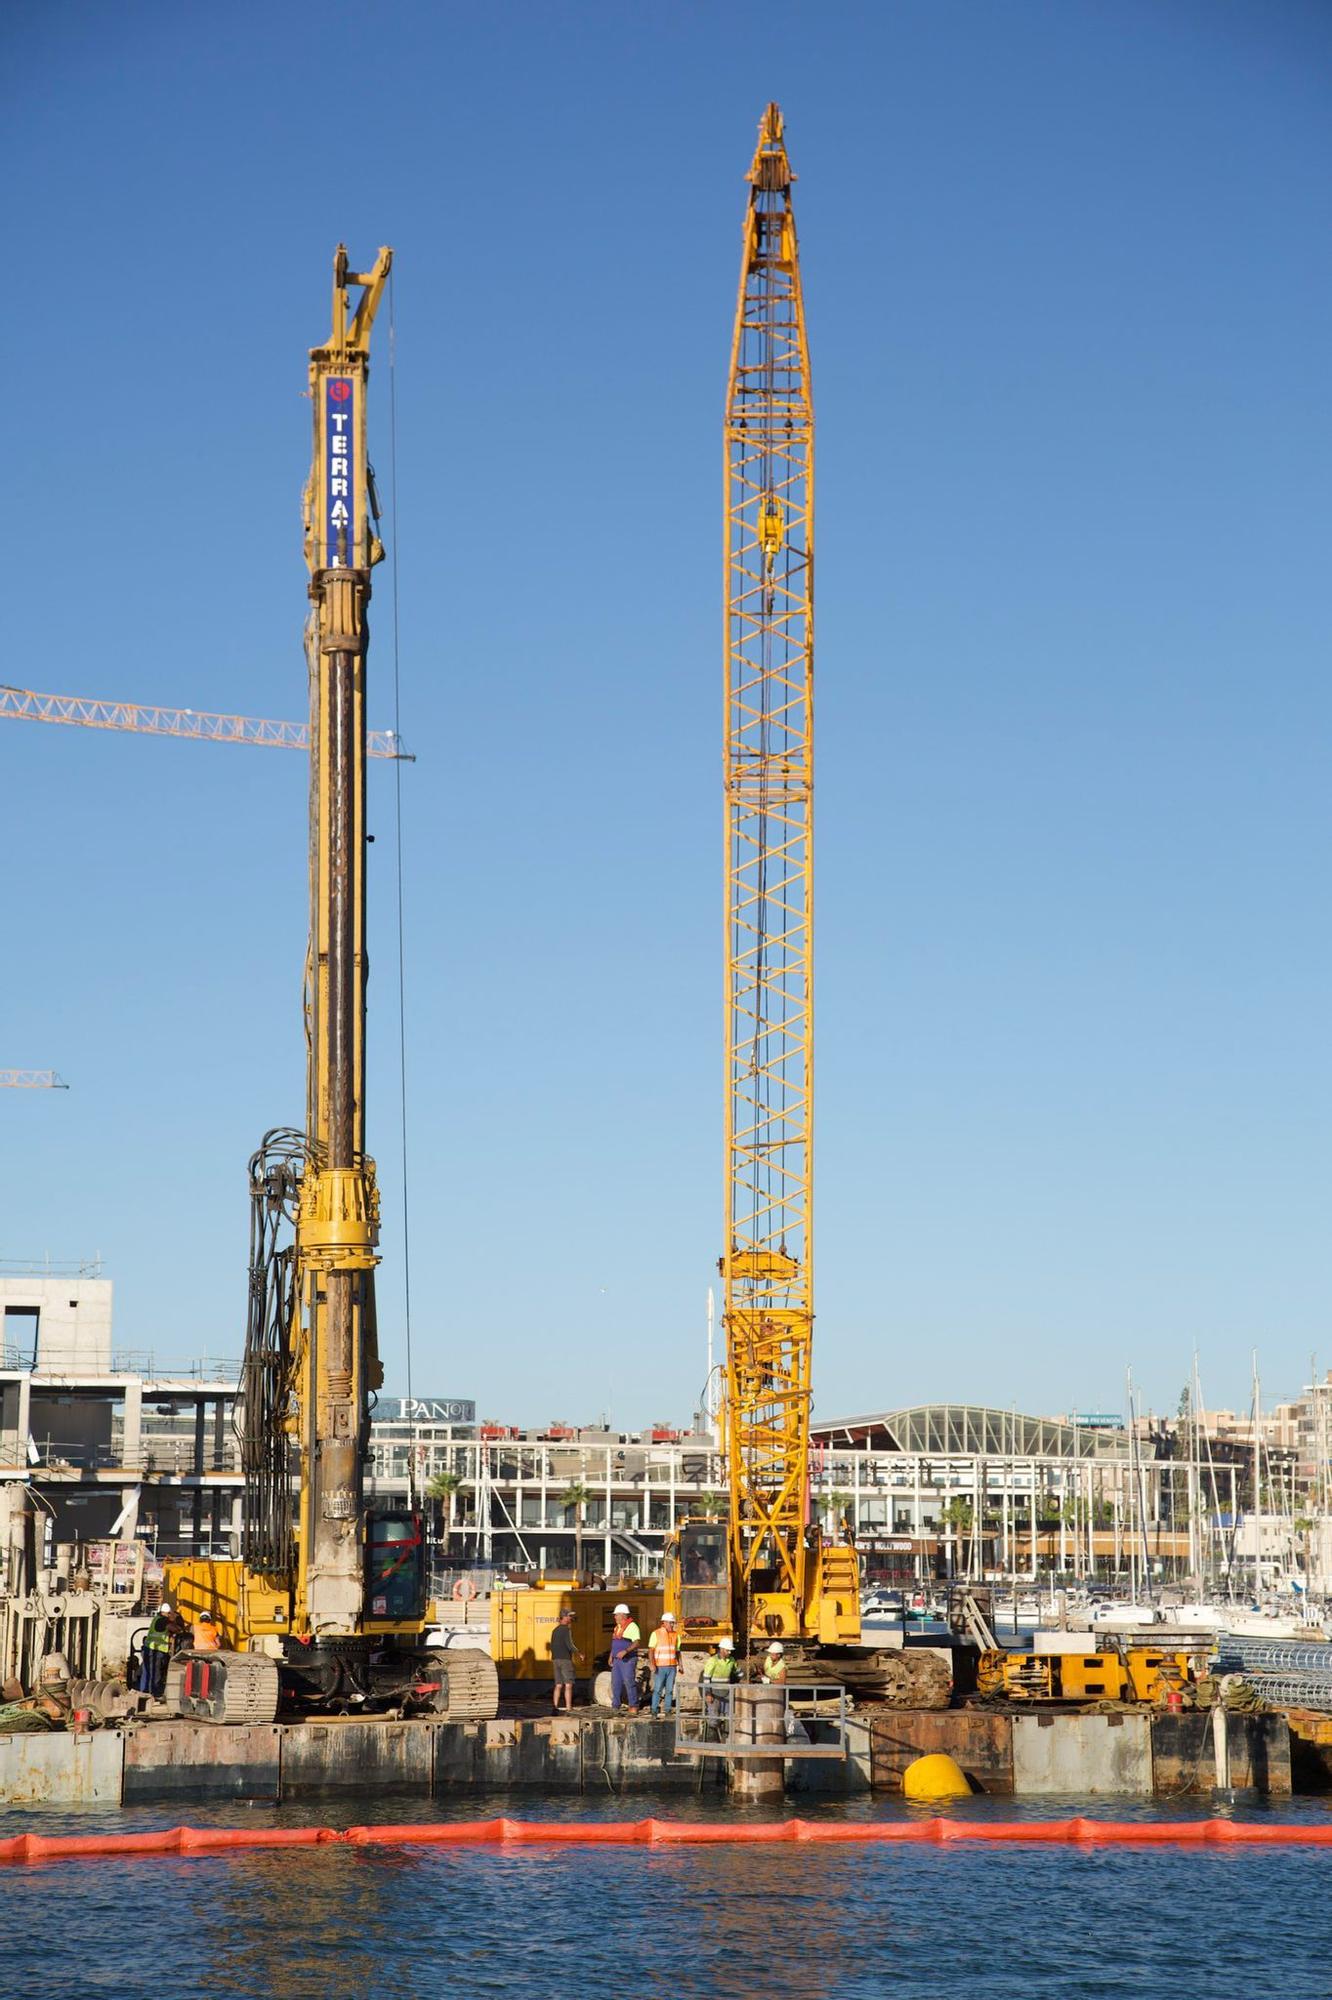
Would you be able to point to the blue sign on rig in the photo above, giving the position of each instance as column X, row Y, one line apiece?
column 339, row 476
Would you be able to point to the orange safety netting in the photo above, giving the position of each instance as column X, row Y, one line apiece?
column 670, row 1833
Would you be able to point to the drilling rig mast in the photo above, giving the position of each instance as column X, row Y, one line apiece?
column 327, row 1606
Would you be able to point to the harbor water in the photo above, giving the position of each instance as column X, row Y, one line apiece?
column 910, row 1922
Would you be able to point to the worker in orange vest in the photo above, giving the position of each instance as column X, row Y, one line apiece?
column 664, row 1654
column 207, row 1638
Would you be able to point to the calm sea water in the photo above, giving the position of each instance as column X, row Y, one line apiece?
column 728, row 1923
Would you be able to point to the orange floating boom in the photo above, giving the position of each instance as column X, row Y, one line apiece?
column 27, row 1847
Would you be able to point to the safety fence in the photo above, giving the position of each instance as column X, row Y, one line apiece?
column 194, row 1840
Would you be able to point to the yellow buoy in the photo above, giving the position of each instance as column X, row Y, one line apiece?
column 935, row 1777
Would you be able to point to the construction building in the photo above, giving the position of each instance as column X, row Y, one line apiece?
column 107, row 1443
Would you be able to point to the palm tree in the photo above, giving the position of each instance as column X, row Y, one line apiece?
column 576, row 1495
column 441, row 1488
column 959, row 1518
column 838, row 1505
column 710, row 1506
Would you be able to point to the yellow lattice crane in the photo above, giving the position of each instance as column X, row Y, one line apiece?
column 767, row 1264
column 30, row 1079
column 768, row 1574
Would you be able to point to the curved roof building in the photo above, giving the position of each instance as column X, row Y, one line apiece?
column 967, row 1430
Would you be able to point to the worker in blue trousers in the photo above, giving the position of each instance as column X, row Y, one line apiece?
column 625, row 1641
column 155, row 1653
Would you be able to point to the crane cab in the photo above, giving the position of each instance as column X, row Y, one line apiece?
column 698, row 1583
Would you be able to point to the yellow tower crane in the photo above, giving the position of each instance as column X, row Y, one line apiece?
column 30, row 1079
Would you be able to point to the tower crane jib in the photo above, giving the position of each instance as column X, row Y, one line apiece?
column 89, row 712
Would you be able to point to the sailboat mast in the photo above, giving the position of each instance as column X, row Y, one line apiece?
column 1257, row 1483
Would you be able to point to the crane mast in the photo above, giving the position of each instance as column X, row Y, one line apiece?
column 767, row 1265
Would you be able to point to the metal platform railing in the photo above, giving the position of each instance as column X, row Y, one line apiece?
column 709, row 1722
column 169, row 1458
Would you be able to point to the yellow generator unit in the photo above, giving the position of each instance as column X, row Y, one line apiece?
column 521, row 1622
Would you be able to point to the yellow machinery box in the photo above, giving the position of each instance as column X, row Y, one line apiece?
column 521, row 1622
column 1091, row 1676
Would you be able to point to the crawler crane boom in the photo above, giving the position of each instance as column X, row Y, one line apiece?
column 767, row 1265
column 770, row 1574
column 767, row 1574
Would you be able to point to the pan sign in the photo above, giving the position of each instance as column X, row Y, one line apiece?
column 427, row 1410
column 339, row 477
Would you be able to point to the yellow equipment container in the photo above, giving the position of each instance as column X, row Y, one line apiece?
column 521, row 1622
column 1091, row 1676
column 1153, row 1672
column 1137, row 1674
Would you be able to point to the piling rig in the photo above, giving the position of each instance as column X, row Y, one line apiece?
column 326, row 1607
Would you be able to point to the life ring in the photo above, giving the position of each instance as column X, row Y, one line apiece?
column 464, row 1589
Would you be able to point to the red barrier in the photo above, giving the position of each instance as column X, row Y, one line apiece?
column 673, row 1833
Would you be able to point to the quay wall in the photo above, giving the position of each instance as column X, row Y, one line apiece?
column 1092, row 1754
column 1027, row 1755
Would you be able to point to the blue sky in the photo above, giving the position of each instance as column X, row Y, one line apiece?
column 1070, row 311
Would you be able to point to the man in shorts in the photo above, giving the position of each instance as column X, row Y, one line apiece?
column 563, row 1653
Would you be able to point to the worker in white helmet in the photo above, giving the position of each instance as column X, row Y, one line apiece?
column 664, row 1657
column 774, row 1665
column 625, row 1641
